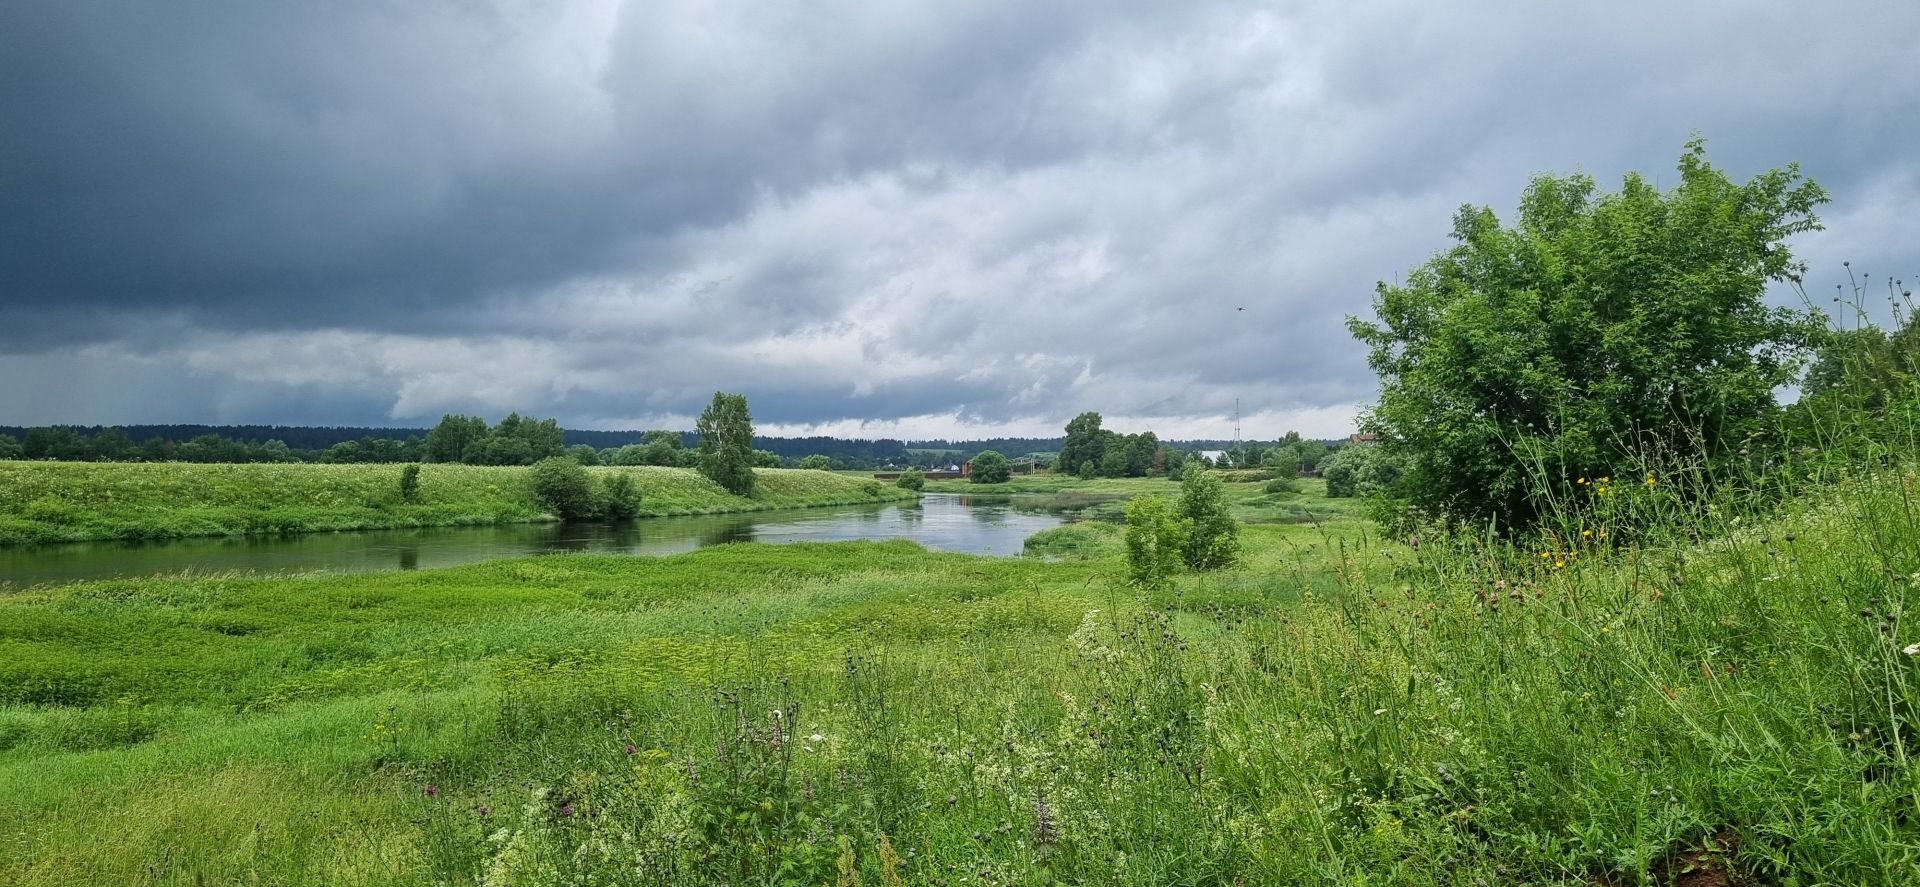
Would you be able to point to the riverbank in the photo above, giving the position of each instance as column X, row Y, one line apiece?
column 44, row 502
column 1105, row 498
column 1340, row 707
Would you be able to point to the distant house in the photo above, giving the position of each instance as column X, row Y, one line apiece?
column 1363, row 437
column 1213, row 457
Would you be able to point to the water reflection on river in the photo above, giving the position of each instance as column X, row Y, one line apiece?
column 981, row 525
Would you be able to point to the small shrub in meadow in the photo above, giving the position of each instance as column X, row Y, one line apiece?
column 620, row 496
column 1213, row 536
column 410, row 484
column 1282, row 485
column 1156, row 540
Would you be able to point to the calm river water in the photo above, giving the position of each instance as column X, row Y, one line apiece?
column 948, row 521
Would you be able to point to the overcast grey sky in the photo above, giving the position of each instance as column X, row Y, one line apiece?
column 873, row 218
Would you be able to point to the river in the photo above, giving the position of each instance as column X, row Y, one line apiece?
column 949, row 521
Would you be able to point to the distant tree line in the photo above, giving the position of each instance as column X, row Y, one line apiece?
column 515, row 441
column 1010, row 447
column 1290, row 456
column 66, row 443
column 311, row 439
column 519, row 440
column 1089, row 450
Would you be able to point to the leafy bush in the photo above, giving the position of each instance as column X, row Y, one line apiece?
column 562, row 487
column 1599, row 334
column 620, row 497
column 1156, row 541
column 1212, row 535
column 817, row 462
column 410, row 484
column 1360, row 470
column 911, row 479
column 1282, row 485
column 990, row 468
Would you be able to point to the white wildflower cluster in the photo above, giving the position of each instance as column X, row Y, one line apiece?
column 1090, row 640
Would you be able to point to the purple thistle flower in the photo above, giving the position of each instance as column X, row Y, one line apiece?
column 566, row 810
column 631, row 749
column 431, row 790
column 483, row 809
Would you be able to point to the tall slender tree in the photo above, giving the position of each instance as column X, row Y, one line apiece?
column 726, row 443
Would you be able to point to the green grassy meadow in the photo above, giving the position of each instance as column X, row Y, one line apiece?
column 76, row 501
column 1340, row 708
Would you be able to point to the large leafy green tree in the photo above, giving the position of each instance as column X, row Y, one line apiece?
column 1085, row 445
column 989, row 467
column 1598, row 333
column 726, row 443
column 450, row 440
column 1360, row 470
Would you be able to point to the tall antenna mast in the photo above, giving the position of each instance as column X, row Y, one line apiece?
column 1236, row 423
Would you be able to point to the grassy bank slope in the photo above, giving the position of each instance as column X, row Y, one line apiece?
column 1339, row 709
column 73, row 501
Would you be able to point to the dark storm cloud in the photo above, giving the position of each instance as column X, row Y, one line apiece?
column 995, row 215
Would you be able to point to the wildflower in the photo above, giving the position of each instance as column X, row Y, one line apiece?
column 1911, row 649
column 431, row 790
column 630, row 749
column 565, row 810
column 483, row 809
column 1414, row 541
column 1379, row 711
column 1558, row 565
column 1499, row 583
column 1045, row 833
column 1586, row 532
